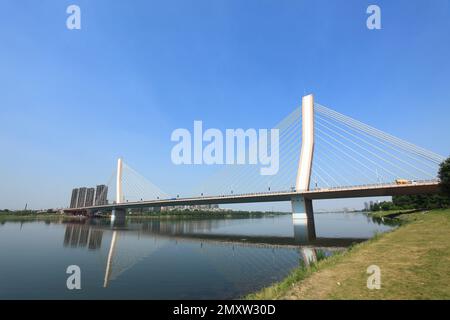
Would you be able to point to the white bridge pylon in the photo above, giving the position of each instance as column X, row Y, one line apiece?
column 118, row 213
column 302, row 208
column 119, row 192
column 130, row 186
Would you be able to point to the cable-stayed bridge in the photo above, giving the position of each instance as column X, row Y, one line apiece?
column 322, row 155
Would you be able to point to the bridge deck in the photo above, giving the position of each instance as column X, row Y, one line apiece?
column 421, row 187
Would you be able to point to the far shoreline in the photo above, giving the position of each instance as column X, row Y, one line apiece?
column 30, row 215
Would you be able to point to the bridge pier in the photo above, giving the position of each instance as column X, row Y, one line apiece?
column 303, row 219
column 118, row 215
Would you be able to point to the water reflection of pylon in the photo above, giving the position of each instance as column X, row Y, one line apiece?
column 112, row 248
column 309, row 255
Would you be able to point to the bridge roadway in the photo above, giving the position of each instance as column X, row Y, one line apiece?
column 375, row 190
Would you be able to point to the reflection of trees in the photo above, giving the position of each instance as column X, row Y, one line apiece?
column 80, row 236
column 385, row 221
column 28, row 220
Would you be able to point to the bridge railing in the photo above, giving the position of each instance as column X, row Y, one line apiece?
column 356, row 187
column 292, row 190
column 378, row 185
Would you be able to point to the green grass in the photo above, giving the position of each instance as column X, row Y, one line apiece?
column 414, row 261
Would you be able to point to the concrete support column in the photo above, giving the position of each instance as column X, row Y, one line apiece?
column 118, row 215
column 303, row 219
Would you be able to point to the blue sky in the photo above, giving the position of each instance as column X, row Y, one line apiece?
column 72, row 101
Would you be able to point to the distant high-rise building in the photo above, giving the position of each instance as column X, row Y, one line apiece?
column 74, row 198
column 81, row 197
column 101, row 194
column 366, row 206
column 86, row 197
column 89, row 197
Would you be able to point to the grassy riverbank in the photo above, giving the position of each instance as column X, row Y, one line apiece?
column 414, row 261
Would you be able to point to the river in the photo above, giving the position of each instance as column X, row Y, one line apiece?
column 197, row 258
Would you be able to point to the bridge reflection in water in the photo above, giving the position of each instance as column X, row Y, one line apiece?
column 89, row 234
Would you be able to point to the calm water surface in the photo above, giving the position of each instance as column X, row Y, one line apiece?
column 165, row 259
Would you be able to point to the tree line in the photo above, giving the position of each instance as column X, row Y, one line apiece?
column 422, row 201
